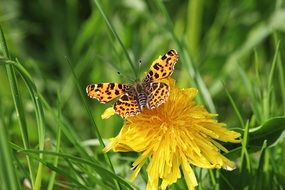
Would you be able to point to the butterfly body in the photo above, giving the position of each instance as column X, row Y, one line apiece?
column 151, row 92
column 138, row 91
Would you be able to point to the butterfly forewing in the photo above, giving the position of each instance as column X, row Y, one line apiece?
column 162, row 67
column 105, row 92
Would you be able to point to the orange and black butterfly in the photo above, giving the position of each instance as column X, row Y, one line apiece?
column 151, row 92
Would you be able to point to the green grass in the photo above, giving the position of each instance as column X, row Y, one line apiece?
column 52, row 134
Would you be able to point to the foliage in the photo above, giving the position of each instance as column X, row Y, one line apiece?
column 51, row 134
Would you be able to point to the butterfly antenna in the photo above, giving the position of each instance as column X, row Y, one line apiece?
column 125, row 77
column 140, row 64
column 139, row 67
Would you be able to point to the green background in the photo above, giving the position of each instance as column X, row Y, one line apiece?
column 52, row 133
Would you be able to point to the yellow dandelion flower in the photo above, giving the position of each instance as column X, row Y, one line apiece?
column 174, row 136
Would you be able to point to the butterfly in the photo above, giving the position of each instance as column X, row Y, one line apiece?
column 151, row 92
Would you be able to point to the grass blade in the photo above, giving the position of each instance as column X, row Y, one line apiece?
column 111, row 28
column 192, row 71
column 8, row 177
column 17, row 102
column 58, row 143
column 98, row 167
column 235, row 108
column 93, row 121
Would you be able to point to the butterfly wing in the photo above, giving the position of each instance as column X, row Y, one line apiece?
column 126, row 106
column 158, row 93
column 105, row 92
column 162, row 67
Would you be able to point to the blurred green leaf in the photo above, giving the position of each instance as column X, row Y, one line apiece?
column 271, row 131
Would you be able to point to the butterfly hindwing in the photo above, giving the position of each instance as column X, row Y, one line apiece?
column 158, row 93
column 126, row 106
column 105, row 92
column 162, row 67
